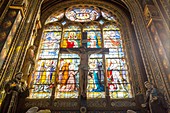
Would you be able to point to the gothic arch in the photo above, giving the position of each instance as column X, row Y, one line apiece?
column 124, row 18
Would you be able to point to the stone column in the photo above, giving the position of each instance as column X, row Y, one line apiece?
column 12, row 21
column 159, row 36
column 24, row 13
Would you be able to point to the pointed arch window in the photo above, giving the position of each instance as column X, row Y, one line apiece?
column 56, row 67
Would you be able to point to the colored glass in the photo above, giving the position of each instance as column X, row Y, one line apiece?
column 56, row 66
column 68, row 76
column 108, row 15
column 82, row 13
column 43, row 79
column 56, row 16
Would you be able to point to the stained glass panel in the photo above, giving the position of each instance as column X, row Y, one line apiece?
column 94, row 36
column 71, row 40
column 94, row 39
column 43, row 78
column 95, row 88
column 72, row 28
column 56, row 16
column 111, row 27
column 117, row 71
column 91, row 27
column 82, row 13
column 68, row 76
column 56, row 66
column 108, row 15
column 51, row 40
column 52, row 27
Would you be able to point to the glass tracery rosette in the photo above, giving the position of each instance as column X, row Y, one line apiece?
column 82, row 13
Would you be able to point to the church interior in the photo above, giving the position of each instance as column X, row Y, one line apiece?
column 84, row 56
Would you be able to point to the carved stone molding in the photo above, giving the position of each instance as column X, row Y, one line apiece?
column 39, row 103
column 151, row 12
column 166, row 6
column 126, row 103
column 68, row 103
column 96, row 103
column 20, row 2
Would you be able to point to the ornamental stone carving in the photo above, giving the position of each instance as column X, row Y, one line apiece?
column 37, row 103
column 96, row 103
column 20, row 2
column 123, row 104
column 66, row 103
column 151, row 12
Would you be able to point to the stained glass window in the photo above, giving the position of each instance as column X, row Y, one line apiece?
column 68, row 76
column 43, row 78
column 117, row 71
column 58, row 68
column 95, row 88
column 82, row 13
column 71, row 37
column 94, row 36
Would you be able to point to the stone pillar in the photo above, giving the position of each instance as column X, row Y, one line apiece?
column 8, row 35
column 159, row 36
column 24, row 13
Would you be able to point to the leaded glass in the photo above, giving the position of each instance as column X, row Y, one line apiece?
column 43, row 78
column 94, row 39
column 111, row 27
column 55, row 17
column 73, row 27
column 94, row 36
column 96, row 77
column 71, row 37
column 68, row 76
column 52, row 27
column 101, row 22
column 82, row 13
column 57, row 68
column 117, row 71
column 91, row 27
column 51, row 40
column 108, row 15
column 112, row 39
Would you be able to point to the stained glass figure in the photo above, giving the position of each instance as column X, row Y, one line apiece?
column 82, row 13
column 117, row 72
column 59, row 67
column 94, row 38
column 68, row 76
column 71, row 38
column 43, row 78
